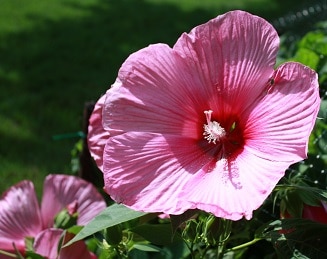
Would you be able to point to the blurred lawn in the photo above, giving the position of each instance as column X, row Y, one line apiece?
column 57, row 54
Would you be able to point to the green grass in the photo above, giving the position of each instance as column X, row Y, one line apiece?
column 55, row 55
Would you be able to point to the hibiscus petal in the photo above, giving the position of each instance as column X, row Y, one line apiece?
column 19, row 216
column 153, row 93
column 234, row 188
column 61, row 190
column 146, row 171
column 232, row 56
column 48, row 242
column 97, row 136
column 278, row 126
column 76, row 250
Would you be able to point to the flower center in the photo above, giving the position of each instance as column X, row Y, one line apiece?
column 213, row 132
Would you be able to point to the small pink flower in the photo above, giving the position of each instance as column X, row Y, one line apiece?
column 207, row 124
column 60, row 191
column 48, row 241
column 21, row 216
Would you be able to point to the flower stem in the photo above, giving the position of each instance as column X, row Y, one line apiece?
column 221, row 250
column 8, row 254
column 255, row 240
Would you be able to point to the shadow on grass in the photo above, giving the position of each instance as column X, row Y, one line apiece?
column 47, row 73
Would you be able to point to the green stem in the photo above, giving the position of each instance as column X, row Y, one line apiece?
column 221, row 250
column 190, row 247
column 79, row 134
column 245, row 244
column 8, row 254
column 224, row 238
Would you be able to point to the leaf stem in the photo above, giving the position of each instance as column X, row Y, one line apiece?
column 255, row 240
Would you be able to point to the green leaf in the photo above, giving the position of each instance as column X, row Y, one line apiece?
column 293, row 204
column 307, row 57
column 312, row 195
column 292, row 238
column 147, row 248
column 113, row 235
column 159, row 234
column 33, row 255
column 111, row 216
column 315, row 41
column 309, row 198
column 323, row 109
column 308, row 194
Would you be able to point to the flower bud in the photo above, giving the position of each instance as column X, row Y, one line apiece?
column 216, row 230
column 65, row 220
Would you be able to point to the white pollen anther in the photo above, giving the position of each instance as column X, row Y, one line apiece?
column 213, row 132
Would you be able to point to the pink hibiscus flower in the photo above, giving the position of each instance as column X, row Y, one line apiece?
column 207, row 124
column 48, row 244
column 21, row 216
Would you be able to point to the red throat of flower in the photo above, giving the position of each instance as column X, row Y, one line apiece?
column 225, row 140
column 228, row 136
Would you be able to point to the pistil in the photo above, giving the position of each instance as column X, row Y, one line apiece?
column 213, row 132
